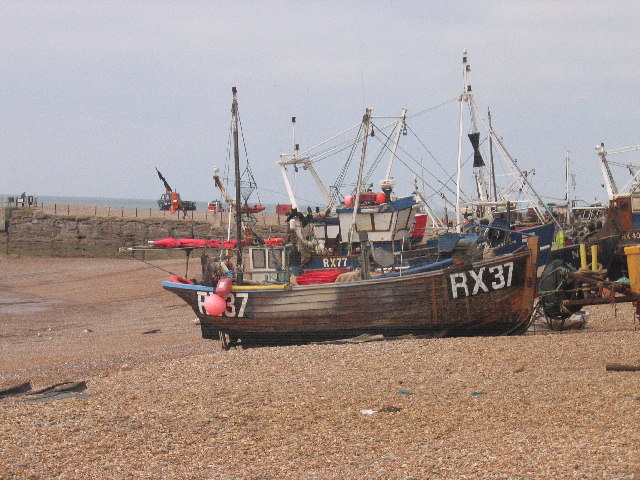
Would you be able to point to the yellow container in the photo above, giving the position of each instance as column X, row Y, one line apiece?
column 633, row 265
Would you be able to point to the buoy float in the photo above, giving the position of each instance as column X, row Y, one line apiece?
column 348, row 200
column 215, row 305
column 224, row 287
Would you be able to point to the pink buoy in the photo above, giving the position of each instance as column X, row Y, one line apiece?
column 215, row 305
column 348, row 200
column 381, row 198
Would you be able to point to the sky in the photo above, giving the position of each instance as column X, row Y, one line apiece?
column 96, row 94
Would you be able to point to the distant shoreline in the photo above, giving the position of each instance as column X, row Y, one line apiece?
column 114, row 203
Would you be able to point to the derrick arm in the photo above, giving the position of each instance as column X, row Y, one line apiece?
column 224, row 192
column 166, row 184
column 610, row 183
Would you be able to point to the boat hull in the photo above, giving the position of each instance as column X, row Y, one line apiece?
column 493, row 296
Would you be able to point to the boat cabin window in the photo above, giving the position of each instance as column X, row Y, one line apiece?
column 326, row 232
column 374, row 222
column 320, row 232
column 364, row 222
column 383, row 221
column 267, row 258
column 403, row 219
column 258, row 258
column 635, row 204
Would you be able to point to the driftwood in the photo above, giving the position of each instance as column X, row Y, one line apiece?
column 619, row 367
column 15, row 389
column 24, row 389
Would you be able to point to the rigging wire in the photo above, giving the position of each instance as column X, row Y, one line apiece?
column 619, row 164
column 431, row 109
column 449, row 175
column 247, row 169
column 338, row 184
column 376, row 161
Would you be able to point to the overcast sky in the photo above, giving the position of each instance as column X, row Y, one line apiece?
column 95, row 94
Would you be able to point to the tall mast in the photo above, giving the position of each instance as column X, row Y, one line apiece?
column 367, row 122
column 493, row 169
column 236, row 161
column 474, row 137
column 459, row 163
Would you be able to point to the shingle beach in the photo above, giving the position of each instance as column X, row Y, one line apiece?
column 161, row 402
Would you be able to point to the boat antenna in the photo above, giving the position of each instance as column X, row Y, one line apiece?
column 236, row 160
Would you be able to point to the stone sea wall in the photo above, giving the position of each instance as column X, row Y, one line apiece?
column 26, row 232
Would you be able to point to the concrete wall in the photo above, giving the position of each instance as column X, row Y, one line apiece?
column 30, row 233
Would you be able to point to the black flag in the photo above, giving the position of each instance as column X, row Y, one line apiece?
column 475, row 142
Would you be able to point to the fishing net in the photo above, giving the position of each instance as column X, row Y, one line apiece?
column 246, row 189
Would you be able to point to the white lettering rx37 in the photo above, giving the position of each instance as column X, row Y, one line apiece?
column 482, row 280
column 232, row 309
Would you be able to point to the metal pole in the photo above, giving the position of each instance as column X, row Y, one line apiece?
column 459, row 167
column 367, row 122
column 493, row 170
column 236, row 158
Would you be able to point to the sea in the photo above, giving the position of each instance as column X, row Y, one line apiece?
column 114, row 203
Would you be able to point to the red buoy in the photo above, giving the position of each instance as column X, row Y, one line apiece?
column 215, row 305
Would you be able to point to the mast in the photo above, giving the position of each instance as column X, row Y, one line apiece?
column 295, row 160
column 236, row 161
column 493, row 170
column 478, row 163
column 389, row 182
column 459, row 162
column 399, row 124
column 367, row 122
column 569, row 198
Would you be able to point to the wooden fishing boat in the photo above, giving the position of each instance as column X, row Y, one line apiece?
column 493, row 296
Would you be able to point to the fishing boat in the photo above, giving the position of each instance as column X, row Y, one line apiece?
column 622, row 215
column 449, row 297
column 493, row 296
